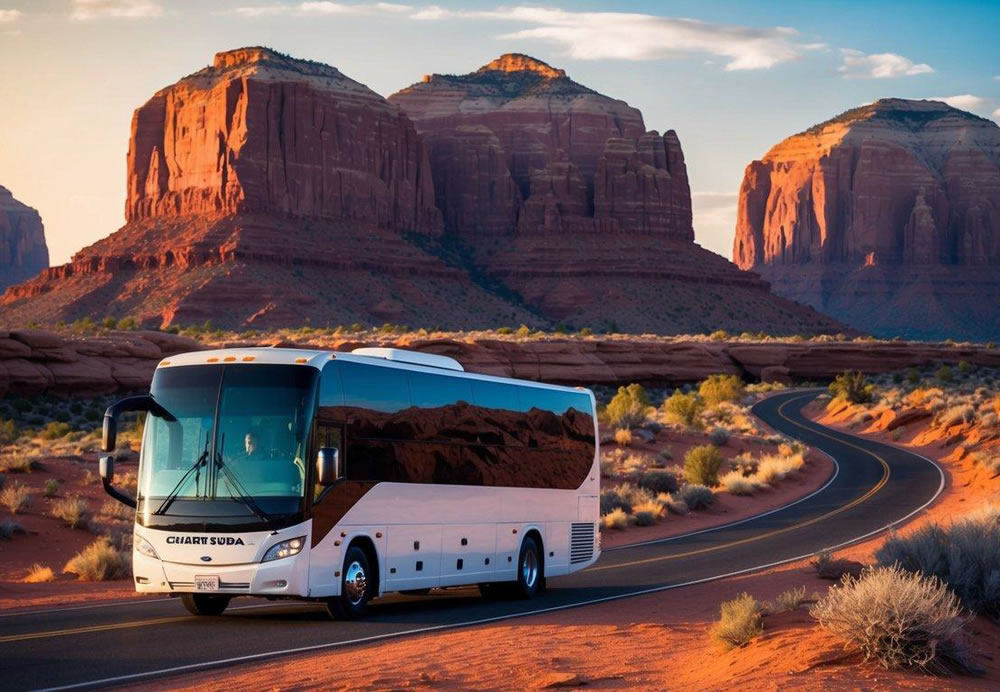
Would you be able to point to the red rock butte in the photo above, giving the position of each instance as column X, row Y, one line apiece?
column 23, row 252
column 269, row 191
column 886, row 217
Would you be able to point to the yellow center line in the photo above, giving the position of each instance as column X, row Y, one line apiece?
column 777, row 532
column 85, row 630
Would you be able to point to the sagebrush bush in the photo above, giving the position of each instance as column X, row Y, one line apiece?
column 719, row 388
column 736, row 483
column 633, row 495
column 657, row 481
column 623, row 437
column 701, row 465
column 898, row 619
column 672, row 504
column 99, row 561
column 718, row 437
column 852, row 387
column 965, row 556
column 681, row 408
column 611, row 500
column 792, row 599
column 73, row 511
column 944, row 374
column 627, row 409
column 694, row 496
column 10, row 528
column 15, row 497
column 616, row 519
column 38, row 574
column 739, row 622
column 51, row 487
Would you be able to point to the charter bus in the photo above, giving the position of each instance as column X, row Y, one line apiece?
column 339, row 477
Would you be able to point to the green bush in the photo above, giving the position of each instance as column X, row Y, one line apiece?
column 853, row 387
column 719, row 388
column 682, row 409
column 702, row 464
column 54, row 430
column 8, row 432
column 944, row 374
column 913, row 376
column 628, row 407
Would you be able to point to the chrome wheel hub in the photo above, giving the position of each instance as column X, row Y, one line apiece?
column 529, row 570
column 355, row 583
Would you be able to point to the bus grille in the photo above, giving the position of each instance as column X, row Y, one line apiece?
column 581, row 542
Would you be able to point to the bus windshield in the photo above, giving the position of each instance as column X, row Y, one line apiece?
column 237, row 448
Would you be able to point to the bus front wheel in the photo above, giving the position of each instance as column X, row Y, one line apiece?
column 200, row 604
column 355, row 587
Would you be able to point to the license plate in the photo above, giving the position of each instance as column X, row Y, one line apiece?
column 206, row 583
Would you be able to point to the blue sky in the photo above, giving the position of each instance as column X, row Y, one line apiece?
column 733, row 78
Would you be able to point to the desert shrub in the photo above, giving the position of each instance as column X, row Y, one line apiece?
column 913, row 376
column 792, row 599
column 608, row 466
column 672, row 504
column 719, row 388
column 112, row 509
column 965, row 556
column 965, row 367
column 18, row 463
column 718, row 437
column 701, row 465
column 957, row 415
column 666, row 454
column 736, row 483
column 739, row 622
column 681, row 409
column 38, row 574
column 989, row 420
column 772, row 468
column 8, row 432
column 627, row 409
column 54, row 430
column 633, row 495
column 828, row 566
column 504, row 330
column 897, row 619
column 634, row 463
column 658, row 481
column 99, row 561
column 694, row 496
column 10, row 528
column 51, row 487
column 90, row 478
column 611, row 500
column 128, row 481
column 623, row 436
column 616, row 519
column 73, row 511
column 647, row 513
column 944, row 374
column 852, row 387
column 15, row 497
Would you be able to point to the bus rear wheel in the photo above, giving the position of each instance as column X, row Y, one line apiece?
column 529, row 570
column 355, row 587
column 201, row 604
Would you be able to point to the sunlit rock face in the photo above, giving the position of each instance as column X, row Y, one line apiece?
column 23, row 252
column 887, row 217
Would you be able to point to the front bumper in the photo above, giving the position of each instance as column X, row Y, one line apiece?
column 286, row 577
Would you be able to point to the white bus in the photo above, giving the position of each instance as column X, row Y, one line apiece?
column 339, row 477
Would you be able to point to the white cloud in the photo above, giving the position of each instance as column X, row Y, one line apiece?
column 86, row 10
column 322, row 8
column 629, row 36
column 996, row 115
column 10, row 16
column 966, row 102
column 880, row 65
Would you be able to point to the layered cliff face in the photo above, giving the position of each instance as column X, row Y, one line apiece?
column 23, row 252
column 887, row 217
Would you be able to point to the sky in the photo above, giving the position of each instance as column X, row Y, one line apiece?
column 733, row 78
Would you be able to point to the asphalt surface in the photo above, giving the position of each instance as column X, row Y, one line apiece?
column 874, row 487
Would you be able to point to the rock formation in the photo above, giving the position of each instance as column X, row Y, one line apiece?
column 561, row 194
column 23, row 252
column 34, row 361
column 886, row 217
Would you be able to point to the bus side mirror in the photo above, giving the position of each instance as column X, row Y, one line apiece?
column 106, row 469
column 106, row 464
column 327, row 465
column 109, row 436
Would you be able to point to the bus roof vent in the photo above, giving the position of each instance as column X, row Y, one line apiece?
column 400, row 355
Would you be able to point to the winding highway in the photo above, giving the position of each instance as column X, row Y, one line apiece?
column 875, row 487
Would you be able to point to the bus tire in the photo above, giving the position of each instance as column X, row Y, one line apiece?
column 203, row 604
column 529, row 570
column 355, row 587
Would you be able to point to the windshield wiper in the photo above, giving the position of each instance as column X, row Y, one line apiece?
column 172, row 495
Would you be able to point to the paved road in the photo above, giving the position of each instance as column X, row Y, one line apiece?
column 874, row 487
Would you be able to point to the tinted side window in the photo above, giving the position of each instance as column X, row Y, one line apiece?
column 495, row 395
column 435, row 391
column 374, row 387
column 331, row 393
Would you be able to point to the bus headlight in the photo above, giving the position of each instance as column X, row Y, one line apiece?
column 145, row 547
column 284, row 549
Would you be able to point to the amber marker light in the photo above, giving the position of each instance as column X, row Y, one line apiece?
column 301, row 360
column 229, row 359
column 247, row 359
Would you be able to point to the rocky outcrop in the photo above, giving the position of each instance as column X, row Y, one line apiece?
column 23, row 252
column 887, row 217
column 35, row 361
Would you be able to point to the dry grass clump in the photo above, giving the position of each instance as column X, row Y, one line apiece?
column 73, row 511
column 672, row 504
column 647, row 513
column 15, row 497
column 623, row 436
column 988, row 460
column 616, row 519
column 702, row 464
column 739, row 622
column 736, row 483
column 18, row 463
column 633, row 463
column 792, row 599
column 774, row 468
column 10, row 528
column 113, row 509
column 128, row 481
column 834, row 568
column 99, row 561
column 38, row 574
column 898, row 619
